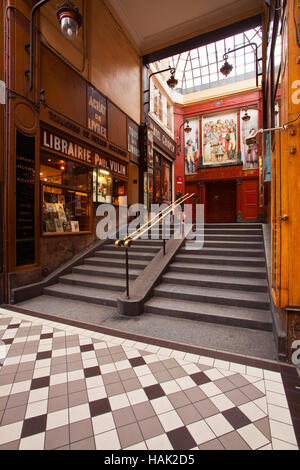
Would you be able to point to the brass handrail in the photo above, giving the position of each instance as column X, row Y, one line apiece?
column 126, row 241
column 179, row 201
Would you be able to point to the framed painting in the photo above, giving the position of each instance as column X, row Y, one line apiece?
column 250, row 153
column 219, row 139
column 191, row 147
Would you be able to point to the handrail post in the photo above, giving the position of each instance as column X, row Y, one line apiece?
column 127, row 272
column 164, row 246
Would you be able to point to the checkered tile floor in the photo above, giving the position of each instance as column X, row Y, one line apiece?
column 66, row 388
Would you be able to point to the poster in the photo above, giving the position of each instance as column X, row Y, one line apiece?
column 191, row 147
column 250, row 153
column 219, row 139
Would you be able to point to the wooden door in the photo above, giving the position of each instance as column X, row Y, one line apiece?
column 221, row 202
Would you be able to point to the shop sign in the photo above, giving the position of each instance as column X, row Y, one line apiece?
column 74, row 150
column 97, row 112
column 179, row 180
column 162, row 140
column 133, row 141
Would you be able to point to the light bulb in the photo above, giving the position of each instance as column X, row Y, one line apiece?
column 69, row 27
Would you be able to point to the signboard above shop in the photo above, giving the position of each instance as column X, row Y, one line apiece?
column 97, row 111
column 162, row 139
column 52, row 141
column 133, row 142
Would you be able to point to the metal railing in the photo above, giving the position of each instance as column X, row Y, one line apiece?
column 129, row 239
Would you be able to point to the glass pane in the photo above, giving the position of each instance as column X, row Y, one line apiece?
column 65, row 210
column 102, row 186
column 65, row 172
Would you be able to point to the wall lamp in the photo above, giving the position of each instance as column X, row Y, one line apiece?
column 172, row 82
column 70, row 21
column 252, row 138
column 227, row 68
column 187, row 130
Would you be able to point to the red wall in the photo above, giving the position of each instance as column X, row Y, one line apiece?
column 247, row 206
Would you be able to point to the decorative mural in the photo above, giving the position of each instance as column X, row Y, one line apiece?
column 250, row 153
column 219, row 139
column 191, row 148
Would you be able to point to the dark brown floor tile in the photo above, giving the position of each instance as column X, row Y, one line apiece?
column 99, row 407
column 56, row 438
column 181, row 439
column 43, row 355
column 33, row 426
column 87, row 347
column 137, row 361
column 154, row 391
column 47, row 336
column 200, row 378
column 236, row 418
column 92, row 372
column 41, row 382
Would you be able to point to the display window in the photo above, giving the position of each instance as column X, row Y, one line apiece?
column 102, row 186
column 119, row 190
column 66, row 196
column 166, row 182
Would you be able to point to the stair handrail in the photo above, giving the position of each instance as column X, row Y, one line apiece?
column 126, row 241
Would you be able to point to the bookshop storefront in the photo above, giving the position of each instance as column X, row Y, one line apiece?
column 73, row 176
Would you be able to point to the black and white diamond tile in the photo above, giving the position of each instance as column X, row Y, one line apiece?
column 63, row 387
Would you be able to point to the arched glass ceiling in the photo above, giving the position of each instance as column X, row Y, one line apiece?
column 200, row 68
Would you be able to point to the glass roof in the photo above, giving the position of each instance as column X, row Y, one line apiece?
column 199, row 68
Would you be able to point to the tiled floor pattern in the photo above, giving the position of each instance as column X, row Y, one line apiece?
column 63, row 387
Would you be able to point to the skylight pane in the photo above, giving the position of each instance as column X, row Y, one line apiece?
column 195, row 63
column 189, row 75
column 189, row 83
column 213, row 68
column 197, row 81
column 204, row 71
column 194, row 54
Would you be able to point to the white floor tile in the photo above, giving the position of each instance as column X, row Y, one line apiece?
column 219, row 425
column 201, row 432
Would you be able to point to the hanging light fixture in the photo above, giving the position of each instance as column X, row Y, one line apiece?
column 69, row 18
column 172, row 82
column 226, row 68
column 246, row 116
column 187, row 128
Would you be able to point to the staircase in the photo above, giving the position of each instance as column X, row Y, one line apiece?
column 102, row 278
column 225, row 282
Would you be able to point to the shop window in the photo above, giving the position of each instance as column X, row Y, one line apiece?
column 166, row 182
column 102, row 186
column 66, row 195
column 119, row 190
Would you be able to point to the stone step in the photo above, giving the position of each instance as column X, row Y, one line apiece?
column 236, row 252
column 213, row 269
column 220, row 260
column 230, row 231
column 135, row 247
column 149, row 242
column 237, row 226
column 216, row 281
column 120, row 254
column 231, row 297
column 111, row 271
column 231, row 238
column 101, row 282
column 116, row 262
column 86, row 294
column 233, row 244
column 211, row 313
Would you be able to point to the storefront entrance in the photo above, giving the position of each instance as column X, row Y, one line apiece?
column 221, row 202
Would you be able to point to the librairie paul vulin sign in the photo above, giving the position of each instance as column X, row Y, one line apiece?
column 97, row 112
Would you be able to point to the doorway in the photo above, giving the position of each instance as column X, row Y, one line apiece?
column 221, row 202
